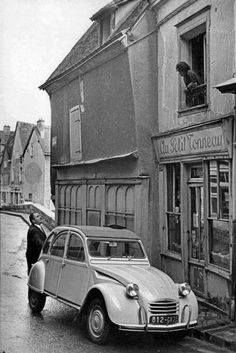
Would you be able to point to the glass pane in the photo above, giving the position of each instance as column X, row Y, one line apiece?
column 224, row 190
column 174, row 237
column 197, row 223
column 219, row 243
column 93, row 218
column 115, row 248
column 75, row 248
column 173, row 188
column 58, row 245
column 213, row 189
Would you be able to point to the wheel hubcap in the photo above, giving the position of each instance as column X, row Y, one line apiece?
column 96, row 322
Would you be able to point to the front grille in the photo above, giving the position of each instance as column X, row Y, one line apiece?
column 164, row 307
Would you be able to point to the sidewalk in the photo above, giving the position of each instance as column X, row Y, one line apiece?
column 215, row 328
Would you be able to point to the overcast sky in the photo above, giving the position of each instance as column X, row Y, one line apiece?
column 35, row 35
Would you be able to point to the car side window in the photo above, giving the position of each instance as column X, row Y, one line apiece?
column 58, row 246
column 75, row 249
column 48, row 243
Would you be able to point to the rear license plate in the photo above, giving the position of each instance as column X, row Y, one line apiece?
column 164, row 320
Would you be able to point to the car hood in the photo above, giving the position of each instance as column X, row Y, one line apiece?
column 152, row 282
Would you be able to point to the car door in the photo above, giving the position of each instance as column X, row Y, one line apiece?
column 74, row 278
column 53, row 264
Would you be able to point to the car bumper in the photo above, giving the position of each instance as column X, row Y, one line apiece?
column 158, row 328
column 185, row 322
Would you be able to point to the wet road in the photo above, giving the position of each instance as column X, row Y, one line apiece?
column 56, row 329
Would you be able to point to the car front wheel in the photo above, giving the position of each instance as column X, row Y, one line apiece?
column 98, row 322
column 36, row 301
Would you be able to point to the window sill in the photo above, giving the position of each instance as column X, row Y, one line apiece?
column 223, row 272
column 192, row 110
column 172, row 255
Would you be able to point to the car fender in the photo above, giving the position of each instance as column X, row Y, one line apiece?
column 37, row 277
column 120, row 308
column 188, row 305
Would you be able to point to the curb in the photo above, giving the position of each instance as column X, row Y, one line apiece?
column 223, row 336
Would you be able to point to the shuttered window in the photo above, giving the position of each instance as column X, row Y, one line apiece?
column 75, row 135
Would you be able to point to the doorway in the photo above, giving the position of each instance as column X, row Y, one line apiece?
column 197, row 243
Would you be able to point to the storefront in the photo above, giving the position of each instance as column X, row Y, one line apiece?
column 195, row 192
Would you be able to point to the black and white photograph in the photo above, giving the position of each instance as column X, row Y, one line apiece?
column 118, row 176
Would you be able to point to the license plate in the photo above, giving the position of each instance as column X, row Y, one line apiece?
column 164, row 320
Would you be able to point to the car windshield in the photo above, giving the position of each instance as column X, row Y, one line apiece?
column 115, row 249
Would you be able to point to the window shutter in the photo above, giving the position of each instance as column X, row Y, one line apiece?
column 75, row 134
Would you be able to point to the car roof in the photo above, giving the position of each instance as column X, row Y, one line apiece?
column 102, row 232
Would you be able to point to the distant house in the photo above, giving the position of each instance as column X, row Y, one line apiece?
column 6, row 142
column 5, row 135
column 36, row 166
column 22, row 133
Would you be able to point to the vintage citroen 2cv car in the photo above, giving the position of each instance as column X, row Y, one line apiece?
column 105, row 273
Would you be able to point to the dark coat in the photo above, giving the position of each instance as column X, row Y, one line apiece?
column 35, row 240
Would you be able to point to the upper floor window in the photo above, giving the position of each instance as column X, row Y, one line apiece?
column 75, row 135
column 192, row 66
column 107, row 24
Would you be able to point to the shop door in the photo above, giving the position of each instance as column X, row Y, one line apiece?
column 196, row 238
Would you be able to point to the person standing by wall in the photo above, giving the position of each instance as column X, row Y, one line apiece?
column 35, row 239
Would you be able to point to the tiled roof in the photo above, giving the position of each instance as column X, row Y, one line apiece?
column 85, row 46
column 88, row 43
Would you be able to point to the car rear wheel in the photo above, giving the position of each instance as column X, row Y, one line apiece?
column 36, row 301
column 98, row 322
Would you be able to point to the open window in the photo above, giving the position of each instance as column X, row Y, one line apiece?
column 193, row 44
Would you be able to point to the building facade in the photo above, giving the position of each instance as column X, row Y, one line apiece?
column 132, row 145
column 36, row 166
column 194, row 146
column 103, row 114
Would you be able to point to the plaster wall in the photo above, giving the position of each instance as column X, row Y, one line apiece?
column 220, row 64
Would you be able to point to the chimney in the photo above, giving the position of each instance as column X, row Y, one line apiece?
column 40, row 126
column 6, row 130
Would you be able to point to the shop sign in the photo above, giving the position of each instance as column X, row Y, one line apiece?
column 204, row 141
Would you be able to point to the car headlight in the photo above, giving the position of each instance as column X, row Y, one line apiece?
column 184, row 289
column 132, row 290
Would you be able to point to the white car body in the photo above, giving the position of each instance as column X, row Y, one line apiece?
column 153, row 303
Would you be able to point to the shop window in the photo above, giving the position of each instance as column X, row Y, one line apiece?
column 120, row 206
column 173, row 208
column 193, row 51
column 94, row 201
column 219, row 213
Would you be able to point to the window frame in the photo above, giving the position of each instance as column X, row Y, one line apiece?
column 187, row 30
column 217, row 216
column 73, row 233
column 176, row 210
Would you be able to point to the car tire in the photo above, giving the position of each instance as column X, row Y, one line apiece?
column 98, row 322
column 36, row 301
